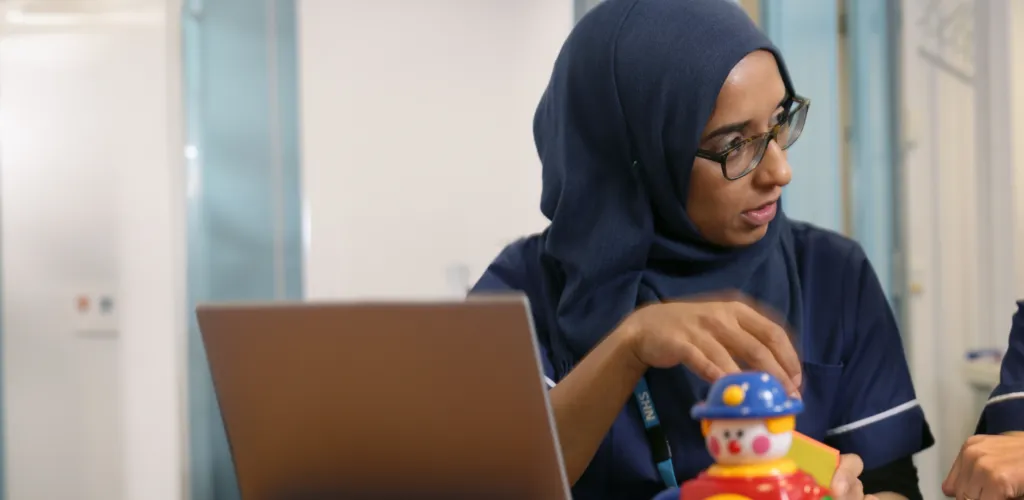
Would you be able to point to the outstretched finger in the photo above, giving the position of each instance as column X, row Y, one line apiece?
column 756, row 355
column 775, row 338
column 694, row 358
column 717, row 354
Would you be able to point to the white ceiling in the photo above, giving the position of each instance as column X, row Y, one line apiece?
column 35, row 16
column 76, row 6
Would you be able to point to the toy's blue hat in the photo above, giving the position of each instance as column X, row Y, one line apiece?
column 747, row 395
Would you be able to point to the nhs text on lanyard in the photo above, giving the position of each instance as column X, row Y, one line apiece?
column 660, row 448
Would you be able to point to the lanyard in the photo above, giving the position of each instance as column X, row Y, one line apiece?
column 660, row 448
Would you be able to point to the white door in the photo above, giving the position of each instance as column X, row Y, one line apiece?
column 958, row 206
column 60, row 103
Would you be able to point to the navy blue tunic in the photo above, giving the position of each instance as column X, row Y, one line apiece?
column 856, row 382
column 1005, row 409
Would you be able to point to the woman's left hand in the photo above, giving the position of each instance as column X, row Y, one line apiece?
column 846, row 483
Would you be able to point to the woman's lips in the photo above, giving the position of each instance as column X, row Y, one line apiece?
column 761, row 215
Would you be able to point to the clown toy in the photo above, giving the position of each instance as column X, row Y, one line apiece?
column 748, row 423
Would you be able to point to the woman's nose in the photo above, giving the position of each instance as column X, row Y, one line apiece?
column 774, row 168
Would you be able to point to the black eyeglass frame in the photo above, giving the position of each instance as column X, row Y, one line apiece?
column 802, row 104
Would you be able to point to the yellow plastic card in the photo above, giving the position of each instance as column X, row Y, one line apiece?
column 814, row 458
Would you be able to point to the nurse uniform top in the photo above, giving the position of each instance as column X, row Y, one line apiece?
column 1004, row 411
column 617, row 130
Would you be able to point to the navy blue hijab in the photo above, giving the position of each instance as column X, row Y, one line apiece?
column 617, row 130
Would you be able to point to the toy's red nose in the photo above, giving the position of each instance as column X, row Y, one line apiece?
column 734, row 447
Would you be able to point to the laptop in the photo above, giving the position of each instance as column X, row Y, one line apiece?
column 384, row 400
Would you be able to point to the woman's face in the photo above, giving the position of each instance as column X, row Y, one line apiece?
column 737, row 213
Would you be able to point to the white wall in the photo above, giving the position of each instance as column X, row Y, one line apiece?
column 152, row 272
column 418, row 157
column 1017, row 105
column 86, row 203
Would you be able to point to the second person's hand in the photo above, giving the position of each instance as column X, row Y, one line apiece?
column 988, row 467
column 710, row 336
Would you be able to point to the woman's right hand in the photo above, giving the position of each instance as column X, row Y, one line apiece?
column 709, row 336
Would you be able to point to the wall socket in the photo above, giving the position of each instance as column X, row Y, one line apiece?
column 95, row 313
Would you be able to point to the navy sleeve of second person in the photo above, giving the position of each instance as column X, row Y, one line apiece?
column 877, row 415
column 1004, row 411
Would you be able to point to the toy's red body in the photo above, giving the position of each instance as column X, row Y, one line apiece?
column 796, row 486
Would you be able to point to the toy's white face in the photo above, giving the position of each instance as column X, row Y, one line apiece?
column 738, row 442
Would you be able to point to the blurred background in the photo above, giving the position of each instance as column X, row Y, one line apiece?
column 159, row 153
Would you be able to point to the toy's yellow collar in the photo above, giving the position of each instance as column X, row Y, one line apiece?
column 773, row 468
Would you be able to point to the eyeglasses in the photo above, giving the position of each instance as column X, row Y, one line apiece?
column 743, row 157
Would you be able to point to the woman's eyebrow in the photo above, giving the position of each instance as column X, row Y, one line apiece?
column 737, row 126
column 727, row 129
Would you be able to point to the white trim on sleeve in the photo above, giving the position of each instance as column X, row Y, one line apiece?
column 550, row 383
column 1004, row 397
column 891, row 412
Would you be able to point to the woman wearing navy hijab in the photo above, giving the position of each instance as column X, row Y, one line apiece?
column 668, row 257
